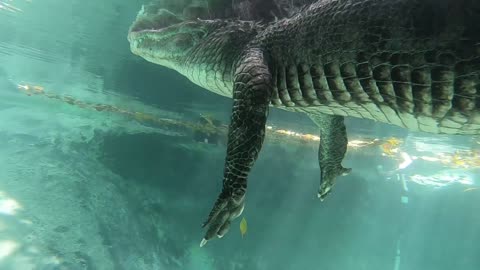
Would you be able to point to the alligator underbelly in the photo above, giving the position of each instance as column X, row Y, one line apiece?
column 411, row 63
column 434, row 98
column 453, row 124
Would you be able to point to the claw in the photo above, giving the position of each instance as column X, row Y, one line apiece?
column 327, row 180
column 224, row 211
column 238, row 212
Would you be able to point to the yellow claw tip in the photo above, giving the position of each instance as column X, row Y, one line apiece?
column 203, row 242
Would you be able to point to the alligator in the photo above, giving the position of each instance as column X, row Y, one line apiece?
column 410, row 63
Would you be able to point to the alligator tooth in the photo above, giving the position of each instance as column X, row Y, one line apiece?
column 141, row 12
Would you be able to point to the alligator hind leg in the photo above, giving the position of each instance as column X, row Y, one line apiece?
column 332, row 149
column 251, row 96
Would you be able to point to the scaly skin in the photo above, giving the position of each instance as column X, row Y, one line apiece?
column 411, row 63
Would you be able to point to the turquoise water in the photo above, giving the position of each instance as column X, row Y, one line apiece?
column 89, row 181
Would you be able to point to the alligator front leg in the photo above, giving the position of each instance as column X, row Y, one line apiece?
column 251, row 96
column 332, row 149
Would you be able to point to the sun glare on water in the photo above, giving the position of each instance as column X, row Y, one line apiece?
column 8, row 206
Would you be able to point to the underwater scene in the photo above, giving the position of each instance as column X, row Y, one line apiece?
column 129, row 129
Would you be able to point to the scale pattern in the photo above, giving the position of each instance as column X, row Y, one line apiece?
column 412, row 63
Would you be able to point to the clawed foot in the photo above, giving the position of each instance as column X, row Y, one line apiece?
column 327, row 179
column 226, row 209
